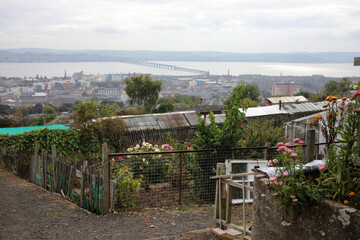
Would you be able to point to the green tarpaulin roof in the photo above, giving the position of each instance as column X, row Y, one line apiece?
column 17, row 130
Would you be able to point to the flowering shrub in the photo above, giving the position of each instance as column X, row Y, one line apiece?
column 339, row 179
column 293, row 189
column 258, row 133
column 342, row 162
column 328, row 126
column 151, row 168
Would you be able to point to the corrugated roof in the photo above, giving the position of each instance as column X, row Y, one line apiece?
column 290, row 99
column 302, row 108
column 140, row 123
column 166, row 121
column 19, row 130
column 263, row 111
column 192, row 118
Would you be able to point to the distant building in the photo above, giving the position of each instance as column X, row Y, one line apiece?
column 78, row 76
column 116, row 77
column 68, row 84
column 285, row 89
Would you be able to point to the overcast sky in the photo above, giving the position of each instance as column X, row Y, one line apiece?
column 194, row 25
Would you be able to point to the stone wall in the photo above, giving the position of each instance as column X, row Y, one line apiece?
column 329, row 220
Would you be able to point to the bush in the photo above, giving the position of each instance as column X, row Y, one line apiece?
column 127, row 187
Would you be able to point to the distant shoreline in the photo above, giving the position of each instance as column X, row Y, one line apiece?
column 34, row 55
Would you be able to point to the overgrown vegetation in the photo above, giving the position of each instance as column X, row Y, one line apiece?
column 339, row 178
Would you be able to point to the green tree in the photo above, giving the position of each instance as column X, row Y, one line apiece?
column 164, row 107
column 66, row 107
column 47, row 109
column 250, row 91
column 109, row 110
column 4, row 109
column 37, row 108
column 84, row 112
column 334, row 88
column 142, row 90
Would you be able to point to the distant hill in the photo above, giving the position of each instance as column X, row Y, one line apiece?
column 52, row 55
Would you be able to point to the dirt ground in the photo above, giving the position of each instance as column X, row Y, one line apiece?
column 29, row 212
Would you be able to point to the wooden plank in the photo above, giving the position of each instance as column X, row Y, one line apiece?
column 217, row 200
column 236, row 227
column 237, row 175
column 82, row 188
column 106, row 178
column 237, row 185
column 228, row 204
column 54, row 175
column 69, row 182
column 220, row 200
column 83, row 181
column 44, row 165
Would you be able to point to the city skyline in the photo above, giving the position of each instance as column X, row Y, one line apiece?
column 233, row 26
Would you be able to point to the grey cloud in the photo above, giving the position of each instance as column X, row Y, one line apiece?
column 108, row 30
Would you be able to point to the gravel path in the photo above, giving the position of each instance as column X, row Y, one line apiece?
column 29, row 212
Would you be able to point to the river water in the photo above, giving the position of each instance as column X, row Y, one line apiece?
column 216, row 68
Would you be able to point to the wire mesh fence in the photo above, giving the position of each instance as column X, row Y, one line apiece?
column 166, row 179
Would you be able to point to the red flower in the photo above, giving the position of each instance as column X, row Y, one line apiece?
column 121, row 159
column 183, row 167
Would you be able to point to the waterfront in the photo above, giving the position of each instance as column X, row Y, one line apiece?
column 215, row 68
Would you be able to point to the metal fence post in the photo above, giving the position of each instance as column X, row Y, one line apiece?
column 106, row 177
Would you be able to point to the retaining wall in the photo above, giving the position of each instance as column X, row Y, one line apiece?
column 329, row 220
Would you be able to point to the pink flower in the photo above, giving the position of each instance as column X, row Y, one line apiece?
column 280, row 144
column 301, row 142
column 290, row 151
column 356, row 94
column 280, row 184
column 321, row 167
column 293, row 155
column 284, row 153
column 296, row 140
column 167, row 146
column 272, row 179
column 285, row 174
column 281, row 148
column 287, row 144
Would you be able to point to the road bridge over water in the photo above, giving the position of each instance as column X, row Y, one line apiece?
column 173, row 67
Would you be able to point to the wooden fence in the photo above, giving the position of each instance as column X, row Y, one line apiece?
column 54, row 174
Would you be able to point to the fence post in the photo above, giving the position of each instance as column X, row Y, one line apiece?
column 220, row 196
column 180, row 179
column 267, row 151
column 44, row 165
column 106, row 177
column 310, row 145
column 54, row 169
column 83, row 175
column 33, row 163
